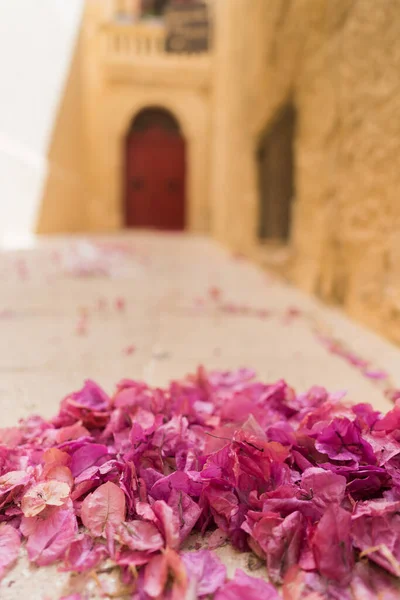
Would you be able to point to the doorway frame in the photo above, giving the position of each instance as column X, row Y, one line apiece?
column 124, row 174
column 105, row 160
column 286, row 111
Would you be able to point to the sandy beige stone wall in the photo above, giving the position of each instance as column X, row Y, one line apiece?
column 63, row 205
column 340, row 63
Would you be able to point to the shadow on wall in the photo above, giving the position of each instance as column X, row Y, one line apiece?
column 62, row 207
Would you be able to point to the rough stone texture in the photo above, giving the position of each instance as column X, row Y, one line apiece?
column 174, row 326
column 339, row 61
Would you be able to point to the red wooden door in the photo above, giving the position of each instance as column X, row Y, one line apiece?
column 155, row 179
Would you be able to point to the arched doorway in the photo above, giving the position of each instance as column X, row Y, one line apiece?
column 155, row 172
column 276, row 177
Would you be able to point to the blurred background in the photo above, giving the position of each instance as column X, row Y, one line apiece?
column 270, row 125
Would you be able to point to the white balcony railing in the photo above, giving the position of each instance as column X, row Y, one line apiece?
column 127, row 41
column 136, row 52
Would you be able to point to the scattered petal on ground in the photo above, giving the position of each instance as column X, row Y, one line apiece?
column 307, row 482
column 128, row 350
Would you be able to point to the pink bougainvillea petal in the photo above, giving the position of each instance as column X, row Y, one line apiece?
column 87, row 456
column 84, row 554
column 369, row 583
column 120, row 303
column 375, row 374
column 215, row 293
column 71, row 432
column 331, row 544
column 169, row 522
column 375, row 530
column 49, row 538
column 244, row 587
column 105, row 505
column 48, row 493
column 140, row 535
column 10, row 543
column 155, row 576
column 309, row 585
column 324, row 487
column 205, row 570
column 129, row 350
column 308, row 482
column 216, row 539
column 61, row 474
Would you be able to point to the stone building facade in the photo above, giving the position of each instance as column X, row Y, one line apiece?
column 338, row 64
column 334, row 65
column 120, row 68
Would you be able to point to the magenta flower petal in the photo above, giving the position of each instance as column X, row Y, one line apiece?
column 244, row 587
column 84, row 554
column 306, row 481
column 106, row 505
column 323, row 487
column 332, row 547
column 49, row 538
column 205, row 570
column 168, row 522
column 48, row 493
column 88, row 456
column 140, row 535
column 375, row 529
column 10, row 543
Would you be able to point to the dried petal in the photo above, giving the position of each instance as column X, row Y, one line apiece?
column 206, row 571
column 48, row 493
column 9, row 547
column 49, row 538
column 332, row 547
column 244, row 587
column 140, row 535
column 103, row 506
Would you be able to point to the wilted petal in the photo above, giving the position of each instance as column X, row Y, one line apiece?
column 10, row 543
column 342, row 440
column 169, row 522
column 302, row 585
column 370, row 582
column 332, row 547
column 49, row 538
column 88, row 456
column 206, row 570
column 283, row 547
column 140, row 535
column 62, row 474
column 376, row 532
column 48, row 493
column 155, row 576
column 12, row 480
column 187, row 511
column 84, row 554
column 243, row 587
column 104, row 505
column 71, row 432
column 323, row 487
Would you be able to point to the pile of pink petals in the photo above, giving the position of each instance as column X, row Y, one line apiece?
column 308, row 483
